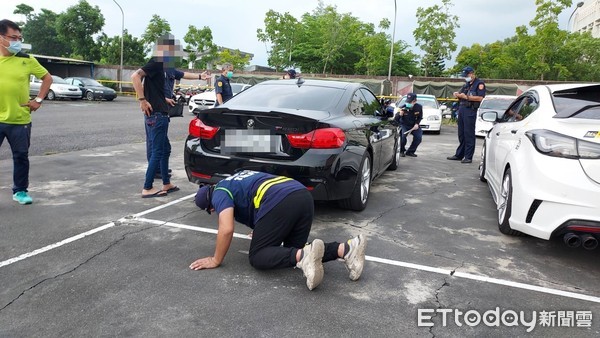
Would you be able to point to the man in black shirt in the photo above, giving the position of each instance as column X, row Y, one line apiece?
column 153, row 104
column 409, row 117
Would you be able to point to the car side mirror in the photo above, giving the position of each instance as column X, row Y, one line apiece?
column 490, row 116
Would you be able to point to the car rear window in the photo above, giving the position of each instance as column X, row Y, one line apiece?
column 425, row 102
column 289, row 96
column 580, row 102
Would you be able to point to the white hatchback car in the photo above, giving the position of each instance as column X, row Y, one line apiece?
column 432, row 112
column 541, row 161
column 208, row 98
column 497, row 103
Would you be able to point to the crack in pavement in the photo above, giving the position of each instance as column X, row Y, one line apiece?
column 437, row 298
column 76, row 267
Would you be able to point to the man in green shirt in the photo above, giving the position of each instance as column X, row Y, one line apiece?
column 15, row 105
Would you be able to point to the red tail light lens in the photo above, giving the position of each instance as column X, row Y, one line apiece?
column 326, row 138
column 201, row 130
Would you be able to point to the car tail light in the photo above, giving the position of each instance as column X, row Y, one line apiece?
column 326, row 138
column 198, row 129
column 557, row 145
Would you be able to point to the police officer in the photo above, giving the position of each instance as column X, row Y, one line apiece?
column 223, row 87
column 279, row 210
column 470, row 96
column 409, row 117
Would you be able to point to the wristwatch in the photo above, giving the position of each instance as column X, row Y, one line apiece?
column 38, row 100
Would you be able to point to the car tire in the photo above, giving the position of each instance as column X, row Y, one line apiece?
column 505, row 206
column 89, row 96
column 51, row 96
column 396, row 158
column 482, row 165
column 109, row 99
column 437, row 132
column 360, row 194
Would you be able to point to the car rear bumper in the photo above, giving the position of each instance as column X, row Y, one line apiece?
column 330, row 175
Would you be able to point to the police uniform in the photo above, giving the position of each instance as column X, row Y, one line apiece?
column 411, row 116
column 467, row 115
column 279, row 210
column 223, row 87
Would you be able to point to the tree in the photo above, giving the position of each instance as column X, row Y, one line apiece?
column 279, row 32
column 77, row 26
column 25, row 10
column 234, row 57
column 200, row 46
column 435, row 34
column 40, row 32
column 156, row 27
column 110, row 50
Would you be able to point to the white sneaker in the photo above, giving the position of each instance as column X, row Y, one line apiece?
column 355, row 258
column 312, row 264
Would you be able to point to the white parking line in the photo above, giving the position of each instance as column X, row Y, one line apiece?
column 446, row 272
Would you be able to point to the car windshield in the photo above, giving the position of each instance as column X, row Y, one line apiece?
column 90, row 82
column 582, row 102
column 496, row 103
column 237, row 87
column 305, row 97
column 58, row 80
column 424, row 101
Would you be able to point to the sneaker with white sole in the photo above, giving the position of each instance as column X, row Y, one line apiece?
column 22, row 197
column 355, row 258
column 312, row 263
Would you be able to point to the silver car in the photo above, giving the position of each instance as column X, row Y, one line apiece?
column 59, row 89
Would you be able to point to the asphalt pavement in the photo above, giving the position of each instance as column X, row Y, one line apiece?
column 92, row 258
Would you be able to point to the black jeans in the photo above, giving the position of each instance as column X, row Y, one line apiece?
column 289, row 223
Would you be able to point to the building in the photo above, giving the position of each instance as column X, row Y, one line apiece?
column 587, row 18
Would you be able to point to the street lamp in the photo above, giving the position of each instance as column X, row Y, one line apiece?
column 393, row 37
column 122, row 33
column 579, row 4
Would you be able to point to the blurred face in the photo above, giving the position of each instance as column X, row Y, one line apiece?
column 169, row 54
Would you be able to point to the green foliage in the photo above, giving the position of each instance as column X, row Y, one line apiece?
column 110, row 50
column 435, row 36
column 279, row 32
column 235, row 58
column 157, row 27
column 25, row 10
column 77, row 25
column 40, row 32
column 200, row 46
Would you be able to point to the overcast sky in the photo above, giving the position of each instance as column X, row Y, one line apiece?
column 234, row 22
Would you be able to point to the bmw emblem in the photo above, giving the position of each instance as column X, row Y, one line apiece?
column 250, row 123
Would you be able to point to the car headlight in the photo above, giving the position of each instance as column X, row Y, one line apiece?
column 557, row 145
column 433, row 118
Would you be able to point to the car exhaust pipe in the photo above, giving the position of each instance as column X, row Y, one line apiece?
column 572, row 240
column 589, row 242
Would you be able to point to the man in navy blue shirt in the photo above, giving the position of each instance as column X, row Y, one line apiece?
column 469, row 99
column 279, row 210
column 409, row 117
column 223, row 89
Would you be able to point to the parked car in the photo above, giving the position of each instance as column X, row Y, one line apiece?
column 329, row 135
column 208, row 98
column 497, row 103
column 92, row 89
column 541, row 161
column 432, row 112
column 58, row 89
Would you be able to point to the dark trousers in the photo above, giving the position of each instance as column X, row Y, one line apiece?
column 466, row 133
column 157, row 141
column 19, row 139
column 288, row 223
column 417, row 138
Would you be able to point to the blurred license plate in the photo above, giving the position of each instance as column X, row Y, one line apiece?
column 249, row 141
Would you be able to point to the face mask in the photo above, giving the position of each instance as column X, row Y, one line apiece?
column 408, row 105
column 14, row 47
column 229, row 74
column 468, row 79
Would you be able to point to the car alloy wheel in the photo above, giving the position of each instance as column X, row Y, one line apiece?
column 89, row 96
column 360, row 194
column 365, row 181
column 396, row 159
column 51, row 96
column 505, row 205
column 482, row 164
